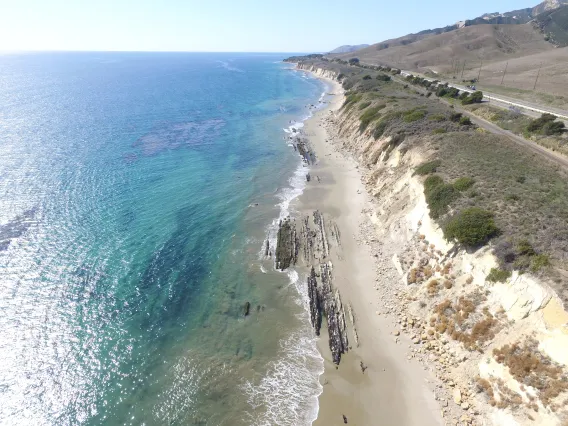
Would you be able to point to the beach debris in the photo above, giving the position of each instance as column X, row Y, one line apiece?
column 344, row 419
column 363, row 367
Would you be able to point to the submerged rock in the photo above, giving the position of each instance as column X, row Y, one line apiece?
column 246, row 309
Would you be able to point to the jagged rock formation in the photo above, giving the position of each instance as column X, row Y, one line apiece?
column 315, row 302
column 333, row 311
column 287, row 245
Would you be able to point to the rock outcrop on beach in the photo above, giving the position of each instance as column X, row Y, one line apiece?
column 313, row 246
column 325, row 300
column 287, row 244
column 315, row 302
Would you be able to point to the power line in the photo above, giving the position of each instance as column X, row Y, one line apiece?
column 537, row 74
column 505, row 72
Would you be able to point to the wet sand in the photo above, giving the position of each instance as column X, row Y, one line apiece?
column 392, row 390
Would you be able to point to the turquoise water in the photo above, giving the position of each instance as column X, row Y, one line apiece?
column 136, row 191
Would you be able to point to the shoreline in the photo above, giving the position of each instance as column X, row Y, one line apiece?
column 376, row 378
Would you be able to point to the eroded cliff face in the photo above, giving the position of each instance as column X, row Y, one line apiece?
column 500, row 348
column 320, row 72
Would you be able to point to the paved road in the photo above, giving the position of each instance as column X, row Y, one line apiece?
column 505, row 101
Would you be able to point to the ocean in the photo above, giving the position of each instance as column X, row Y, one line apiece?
column 136, row 194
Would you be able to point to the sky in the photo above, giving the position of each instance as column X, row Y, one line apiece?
column 225, row 25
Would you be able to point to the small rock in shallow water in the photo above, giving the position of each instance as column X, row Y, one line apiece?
column 246, row 309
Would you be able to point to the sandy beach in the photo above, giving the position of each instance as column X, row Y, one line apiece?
column 376, row 381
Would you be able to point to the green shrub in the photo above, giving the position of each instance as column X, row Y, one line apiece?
column 498, row 275
column 370, row 115
column 427, row 168
column 414, row 116
column 383, row 77
column 455, row 117
column 439, row 131
column 431, row 182
column 474, row 98
column 524, row 247
column 439, row 198
column 452, row 92
column 354, row 61
column 463, row 183
column 465, row 121
column 463, row 96
column 353, row 98
column 437, row 117
column 553, row 128
column 472, row 227
column 539, row 261
column 367, row 77
column 380, row 129
column 537, row 124
column 364, row 105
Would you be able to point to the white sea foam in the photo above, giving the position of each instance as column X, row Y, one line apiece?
column 229, row 67
column 288, row 393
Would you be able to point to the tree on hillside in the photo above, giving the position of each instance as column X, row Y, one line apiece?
column 354, row 61
column 474, row 98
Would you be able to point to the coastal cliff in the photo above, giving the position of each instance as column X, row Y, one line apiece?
column 493, row 331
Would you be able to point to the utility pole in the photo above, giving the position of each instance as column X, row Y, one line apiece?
column 463, row 69
column 506, row 65
column 479, row 75
column 537, row 74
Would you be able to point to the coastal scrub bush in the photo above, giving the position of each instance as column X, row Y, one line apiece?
column 439, row 131
column 498, row 275
column 437, row 117
column 431, row 182
column 530, row 367
column 539, row 261
column 370, row 115
column 367, row 77
column 439, row 198
column 380, row 128
column 472, row 226
column 354, row 61
column 383, row 77
column 547, row 125
column 455, row 117
column 414, row 116
column 364, row 105
column 465, row 121
column 427, row 168
column 351, row 99
column 463, row 183
column 474, row 98
column 538, row 123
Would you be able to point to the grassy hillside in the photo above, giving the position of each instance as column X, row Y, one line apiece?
column 554, row 25
column 470, row 44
